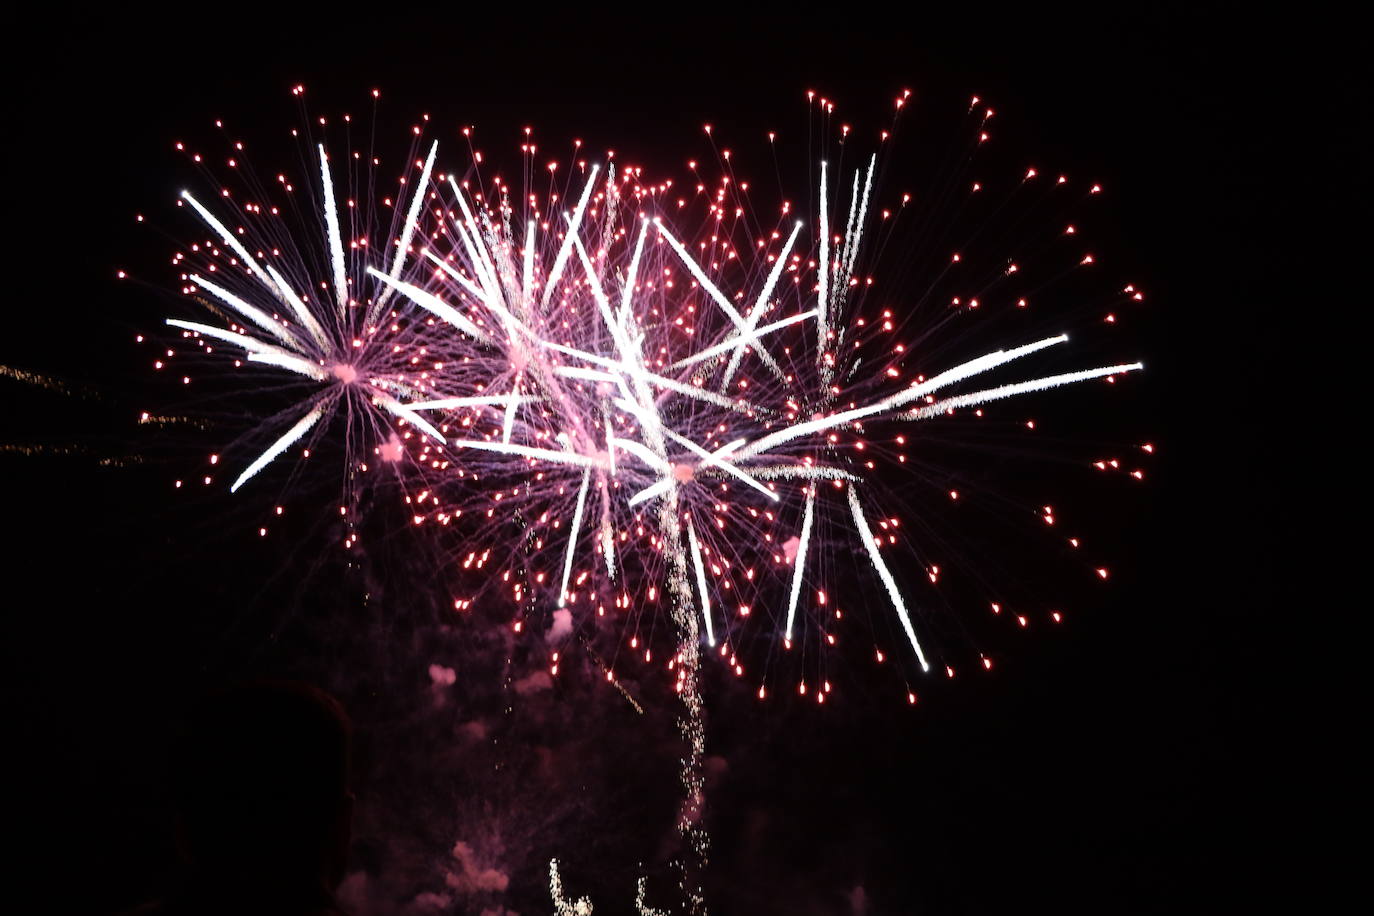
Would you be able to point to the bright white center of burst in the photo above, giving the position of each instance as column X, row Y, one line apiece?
column 345, row 373
column 684, row 472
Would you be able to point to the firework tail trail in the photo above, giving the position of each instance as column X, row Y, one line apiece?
column 692, row 724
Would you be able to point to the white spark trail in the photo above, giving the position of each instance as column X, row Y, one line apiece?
column 396, row 408
column 525, row 451
column 643, row 453
column 491, row 400
column 603, row 305
column 822, row 267
column 717, row 459
column 252, row 313
column 903, row 616
column 761, row 303
column 478, row 292
column 238, row 338
column 799, row 561
column 471, row 237
column 701, row 582
column 478, row 262
column 610, row 452
column 1007, row 391
column 652, row 492
column 298, row 306
column 433, row 304
column 572, row 535
column 276, row 448
column 742, row 340
column 228, row 238
column 801, row 472
column 906, row 396
column 561, row 260
column 407, row 232
column 508, row 421
column 608, row 546
column 635, row 372
column 726, row 306
column 529, row 261
column 979, row 365
column 627, row 294
column 855, row 234
column 649, row 417
column 848, row 236
column 587, row 375
column 594, row 375
column 692, row 391
column 479, row 242
column 509, row 322
column 331, row 221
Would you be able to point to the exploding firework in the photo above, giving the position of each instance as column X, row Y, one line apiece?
column 680, row 414
column 323, row 338
column 629, row 398
column 631, row 402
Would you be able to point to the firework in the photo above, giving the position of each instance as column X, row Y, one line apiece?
column 660, row 419
column 666, row 404
column 626, row 397
column 341, row 352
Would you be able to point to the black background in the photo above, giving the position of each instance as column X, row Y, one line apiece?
column 1134, row 766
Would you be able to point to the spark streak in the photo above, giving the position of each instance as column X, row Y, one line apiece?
column 331, row 216
column 702, row 589
column 893, row 592
column 572, row 535
column 725, row 305
column 799, row 561
column 407, row 232
column 1006, row 391
column 959, row 373
column 293, row 434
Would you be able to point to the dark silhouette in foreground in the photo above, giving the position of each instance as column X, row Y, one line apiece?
column 263, row 807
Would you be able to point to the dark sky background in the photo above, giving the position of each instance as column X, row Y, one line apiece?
column 1119, row 767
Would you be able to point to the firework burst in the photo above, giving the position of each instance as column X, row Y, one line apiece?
column 332, row 345
column 628, row 398
column 678, row 414
column 647, row 394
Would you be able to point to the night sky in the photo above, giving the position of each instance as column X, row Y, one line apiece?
column 1111, row 766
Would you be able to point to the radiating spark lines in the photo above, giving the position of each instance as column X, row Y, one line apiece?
column 564, row 354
